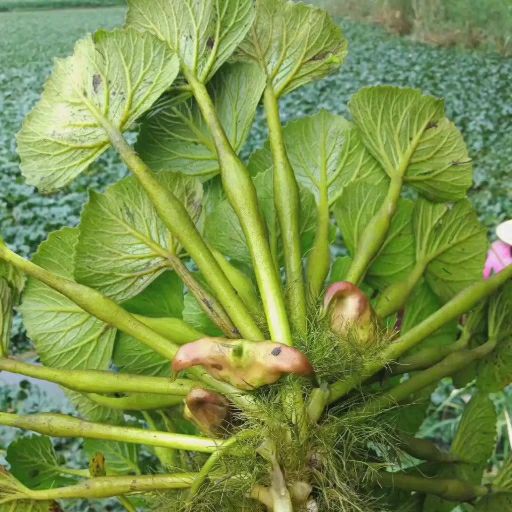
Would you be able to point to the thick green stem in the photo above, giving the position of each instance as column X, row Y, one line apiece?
column 94, row 381
column 175, row 216
column 136, row 401
column 111, row 486
column 58, row 425
column 424, row 449
column 375, row 233
column 460, row 304
column 241, row 283
column 427, row 357
column 209, row 465
column 317, row 402
column 207, row 302
column 167, row 456
column 448, row 366
column 394, row 297
column 126, row 504
column 448, row 489
column 174, row 329
column 287, row 202
column 241, row 193
column 319, row 259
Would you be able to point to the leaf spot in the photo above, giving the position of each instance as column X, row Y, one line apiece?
column 96, row 82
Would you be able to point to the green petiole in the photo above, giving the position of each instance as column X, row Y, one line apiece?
column 96, row 381
column 59, row 425
column 287, row 201
column 241, row 194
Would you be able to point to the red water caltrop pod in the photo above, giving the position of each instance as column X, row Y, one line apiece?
column 349, row 310
column 242, row 363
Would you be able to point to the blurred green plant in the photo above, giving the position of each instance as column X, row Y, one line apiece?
column 471, row 23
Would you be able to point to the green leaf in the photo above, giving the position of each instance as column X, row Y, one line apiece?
column 224, row 233
column 175, row 137
column 500, row 308
column 111, row 79
column 161, row 299
column 358, row 204
column 120, row 458
column 339, row 269
column 91, row 411
column 196, row 317
column 422, row 303
column 475, row 439
column 503, row 479
column 409, row 417
column 34, row 463
column 203, row 34
column 495, row 371
column 451, row 244
column 315, row 147
column 293, row 43
column 65, row 335
column 410, row 137
column 123, row 244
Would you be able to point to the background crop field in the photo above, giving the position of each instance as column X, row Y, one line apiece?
column 12, row 5
column 471, row 23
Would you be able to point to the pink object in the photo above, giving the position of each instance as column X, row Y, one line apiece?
column 348, row 307
column 498, row 258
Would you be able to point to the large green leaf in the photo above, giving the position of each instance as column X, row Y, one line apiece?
column 34, row 463
column 163, row 298
column 65, row 335
column 410, row 137
column 123, row 244
column 120, row 458
column 113, row 78
column 175, row 137
column 475, row 439
column 451, row 243
column 293, row 43
column 495, row 371
column 357, row 205
column 203, row 33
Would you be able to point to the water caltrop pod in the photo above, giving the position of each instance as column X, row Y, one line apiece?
column 242, row 363
column 208, row 410
column 349, row 310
